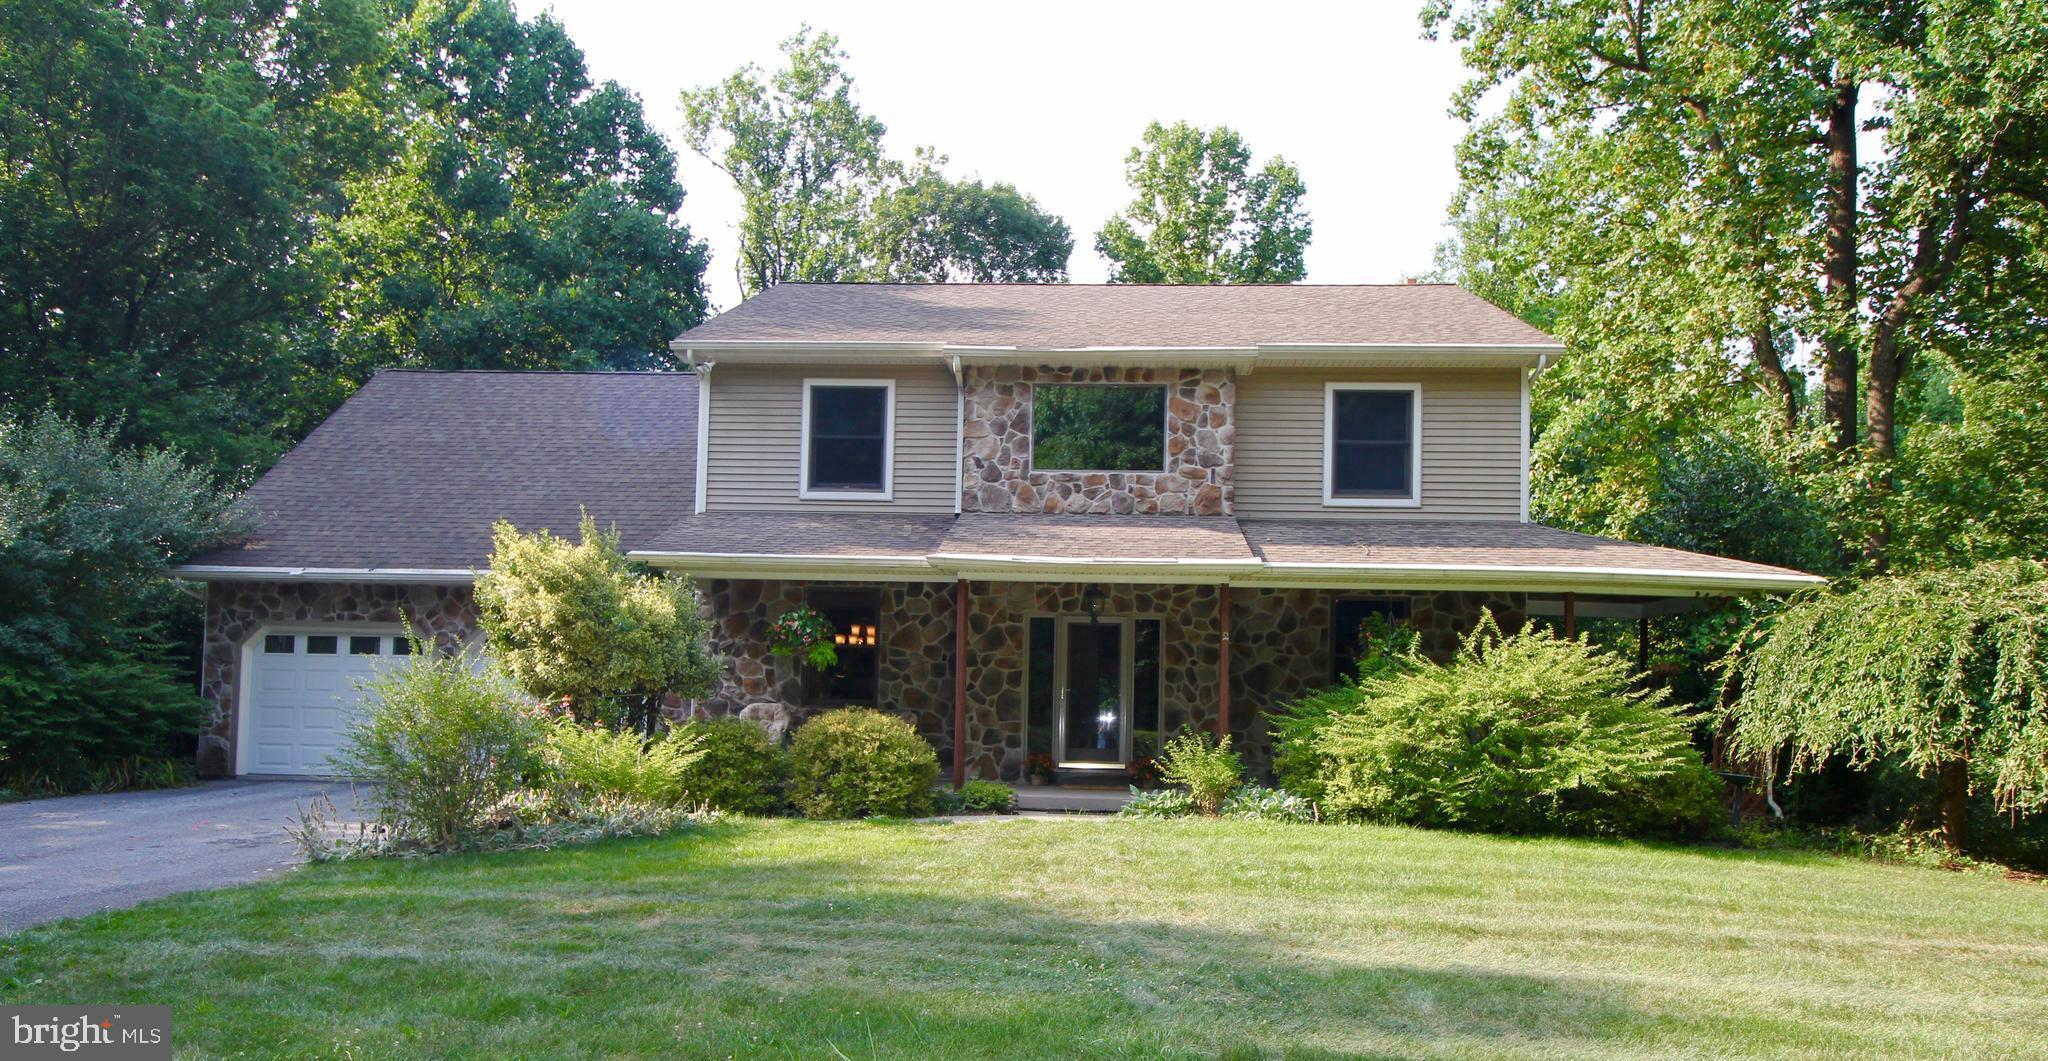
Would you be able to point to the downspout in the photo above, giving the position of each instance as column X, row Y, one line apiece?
column 959, row 432
column 703, row 370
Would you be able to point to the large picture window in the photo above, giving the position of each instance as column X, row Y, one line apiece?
column 1098, row 427
column 855, row 615
column 847, row 438
column 1348, row 616
column 1372, row 444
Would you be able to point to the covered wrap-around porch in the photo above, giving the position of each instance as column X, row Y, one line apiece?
column 1085, row 645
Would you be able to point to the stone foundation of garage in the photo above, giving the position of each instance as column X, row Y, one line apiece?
column 235, row 611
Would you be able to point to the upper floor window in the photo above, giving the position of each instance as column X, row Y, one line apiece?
column 848, row 438
column 1098, row 427
column 1372, row 444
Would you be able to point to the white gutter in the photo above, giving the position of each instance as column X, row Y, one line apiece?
column 1535, row 578
column 235, row 573
column 1244, row 358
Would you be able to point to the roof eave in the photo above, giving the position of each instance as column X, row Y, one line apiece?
column 1528, row 578
column 1242, row 358
column 252, row 573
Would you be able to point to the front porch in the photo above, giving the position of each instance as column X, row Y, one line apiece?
column 1090, row 675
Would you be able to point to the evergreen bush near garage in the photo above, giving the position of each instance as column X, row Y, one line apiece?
column 1530, row 733
column 857, row 762
column 92, row 691
column 740, row 771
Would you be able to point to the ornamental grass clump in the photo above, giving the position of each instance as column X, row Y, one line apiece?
column 1531, row 733
column 858, row 762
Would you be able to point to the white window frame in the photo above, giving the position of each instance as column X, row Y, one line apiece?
column 1414, row 498
column 888, row 491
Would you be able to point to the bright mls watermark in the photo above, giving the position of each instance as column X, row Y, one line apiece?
column 85, row 1033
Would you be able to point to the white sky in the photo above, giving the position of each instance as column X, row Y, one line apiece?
column 1050, row 97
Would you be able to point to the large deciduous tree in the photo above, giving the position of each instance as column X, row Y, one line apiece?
column 807, row 161
column 822, row 202
column 1690, row 188
column 159, row 163
column 525, row 216
column 1202, row 215
column 929, row 229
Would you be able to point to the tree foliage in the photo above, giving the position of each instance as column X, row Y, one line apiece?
column 1945, row 670
column 1680, row 188
column 158, row 164
column 822, row 202
column 932, row 230
column 522, row 217
column 88, row 530
column 1202, row 215
column 807, row 161
column 575, row 623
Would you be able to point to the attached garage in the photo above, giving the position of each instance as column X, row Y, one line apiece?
column 300, row 693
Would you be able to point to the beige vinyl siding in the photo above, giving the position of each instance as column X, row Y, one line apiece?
column 1471, row 444
column 755, row 439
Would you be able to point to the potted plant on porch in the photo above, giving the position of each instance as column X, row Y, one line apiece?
column 1038, row 768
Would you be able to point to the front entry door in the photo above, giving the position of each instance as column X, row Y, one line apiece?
column 1095, row 692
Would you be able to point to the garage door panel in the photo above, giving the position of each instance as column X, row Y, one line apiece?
column 302, row 701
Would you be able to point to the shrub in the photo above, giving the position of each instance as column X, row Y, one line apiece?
column 591, row 763
column 988, row 797
column 1385, row 648
column 92, row 668
column 859, row 761
column 1205, row 766
column 1526, row 734
column 578, row 624
column 1258, row 803
column 444, row 743
column 1158, row 803
column 741, row 771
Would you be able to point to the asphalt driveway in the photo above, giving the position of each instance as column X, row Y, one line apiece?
column 83, row 854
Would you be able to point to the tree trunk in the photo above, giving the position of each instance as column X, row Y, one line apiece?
column 1952, row 801
column 1838, row 274
column 1764, row 347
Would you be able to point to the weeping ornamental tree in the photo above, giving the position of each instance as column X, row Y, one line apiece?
column 1946, row 671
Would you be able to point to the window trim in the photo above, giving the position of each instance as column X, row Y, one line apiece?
column 1031, row 466
column 888, row 492
column 1330, row 498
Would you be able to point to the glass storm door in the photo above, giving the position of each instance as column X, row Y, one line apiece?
column 1095, row 692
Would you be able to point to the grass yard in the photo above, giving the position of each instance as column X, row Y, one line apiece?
column 1067, row 938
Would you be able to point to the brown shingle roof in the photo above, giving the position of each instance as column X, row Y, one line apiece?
column 1474, row 544
column 1076, row 316
column 1133, row 538
column 414, row 468
column 802, row 534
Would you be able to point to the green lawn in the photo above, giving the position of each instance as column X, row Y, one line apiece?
column 1040, row 938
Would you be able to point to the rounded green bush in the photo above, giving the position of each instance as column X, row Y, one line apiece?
column 741, row 770
column 859, row 761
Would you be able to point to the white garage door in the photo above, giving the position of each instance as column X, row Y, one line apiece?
column 302, row 695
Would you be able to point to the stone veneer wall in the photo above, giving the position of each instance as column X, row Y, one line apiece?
column 915, row 674
column 445, row 615
column 996, row 473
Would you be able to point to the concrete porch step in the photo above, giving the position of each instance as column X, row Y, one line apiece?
column 1072, row 799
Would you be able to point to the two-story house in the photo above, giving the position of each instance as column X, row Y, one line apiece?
column 1058, row 519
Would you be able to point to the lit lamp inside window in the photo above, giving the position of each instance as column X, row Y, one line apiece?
column 856, row 634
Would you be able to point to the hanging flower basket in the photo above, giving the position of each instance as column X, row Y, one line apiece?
column 806, row 635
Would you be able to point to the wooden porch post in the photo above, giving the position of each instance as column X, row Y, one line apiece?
column 959, row 684
column 1571, row 615
column 1223, row 662
column 1643, row 642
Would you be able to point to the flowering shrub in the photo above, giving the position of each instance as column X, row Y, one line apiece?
column 804, row 634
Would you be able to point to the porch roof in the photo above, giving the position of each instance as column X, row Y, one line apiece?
column 1384, row 554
